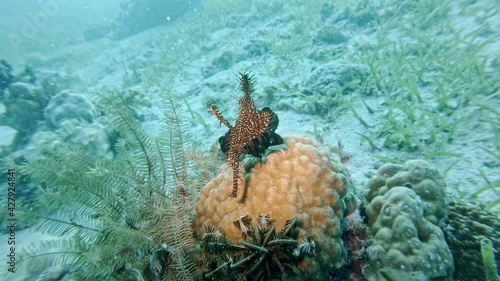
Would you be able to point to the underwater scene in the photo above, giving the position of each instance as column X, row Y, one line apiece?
column 154, row 140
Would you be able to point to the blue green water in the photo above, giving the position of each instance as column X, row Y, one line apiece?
column 371, row 82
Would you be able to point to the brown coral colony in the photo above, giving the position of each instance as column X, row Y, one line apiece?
column 253, row 132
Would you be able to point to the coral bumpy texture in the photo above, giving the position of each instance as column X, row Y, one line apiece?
column 251, row 124
column 407, row 205
column 301, row 182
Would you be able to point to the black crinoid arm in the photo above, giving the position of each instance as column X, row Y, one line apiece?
column 265, row 253
column 258, row 147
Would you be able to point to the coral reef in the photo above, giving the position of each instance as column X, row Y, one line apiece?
column 6, row 76
column 356, row 240
column 466, row 226
column 419, row 176
column 329, row 78
column 24, row 103
column 253, row 128
column 257, row 47
column 407, row 204
column 69, row 105
column 405, row 246
column 329, row 35
column 92, row 136
column 299, row 182
column 25, row 96
column 223, row 62
column 328, row 84
column 72, row 118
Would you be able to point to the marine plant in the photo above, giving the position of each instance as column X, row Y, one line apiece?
column 431, row 77
column 128, row 218
column 488, row 253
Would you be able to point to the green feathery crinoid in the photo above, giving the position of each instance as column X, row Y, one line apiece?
column 128, row 218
